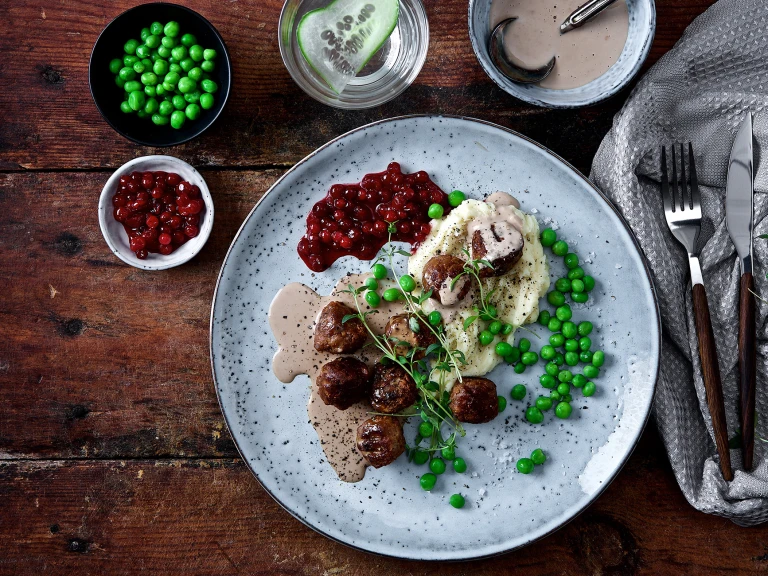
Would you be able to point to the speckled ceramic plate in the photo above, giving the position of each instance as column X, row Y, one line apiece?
column 387, row 512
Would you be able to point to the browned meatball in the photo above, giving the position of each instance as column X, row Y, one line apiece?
column 343, row 382
column 503, row 263
column 392, row 390
column 380, row 440
column 474, row 400
column 439, row 272
column 333, row 335
column 398, row 329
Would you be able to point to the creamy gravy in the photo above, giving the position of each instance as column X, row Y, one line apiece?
column 292, row 317
column 502, row 232
column 583, row 54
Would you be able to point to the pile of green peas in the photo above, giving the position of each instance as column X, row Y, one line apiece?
column 526, row 465
column 165, row 76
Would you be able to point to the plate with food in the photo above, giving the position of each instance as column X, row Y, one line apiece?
column 433, row 339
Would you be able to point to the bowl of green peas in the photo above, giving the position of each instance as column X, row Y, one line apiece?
column 160, row 74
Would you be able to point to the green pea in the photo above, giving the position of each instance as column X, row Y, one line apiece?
column 456, row 500
column 563, row 410
column 371, row 284
column 186, row 85
column 547, row 352
column 578, row 380
column 149, row 79
column 552, row 369
column 435, row 211
column 525, row 465
column 379, row 271
column 538, row 455
column 152, row 41
column 503, row 349
column 142, row 114
column 177, row 119
column 502, row 403
column 560, row 248
column 489, row 314
column 209, row 86
column 208, row 66
column 529, row 358
column 115, row 65
column 125, row 107
column 519, row 368
column 589, row 283
column 564, row 313
column 585, row 356
column 180, row 53
column 132, row 86
column 556, row 298
column 143, row 51
column 175, row 68
column 391, row 295
column 554, row 324
column 196, row 52
column 129, row 60
column 435, row 318
column 506, row 329
column 206, row 101
column 456, row 197
column 579, row 297
column 127, row 73
column 209, row 54
column 160, row 67
column 437, row 466
column 585, row 328
column 591, row 371
column 577, row 285
column 524, row 344
column 513, row 356
column 420, row 456
column 428, row 481
column 571, row 260
column 147, row 62
column 144, row 34
column 485, row 337
column 547, row 381
column 166, row 108
column 188, row 40
column 156, row 28
column 544, row 317
column 178, row 102
column 139, row 67
column 576, row 273
column 151, row 106
column 598, row 358
column 172, row 78
column 554, row 396
column 195, row 73
column 569, row 329
column 563, row 284
column 571, row 358
column 407, row 283
column 494, row 327
column 559, row 359
column 534, row 415
column 548, row 237
column 164, row 52
column 136, row 99
column 373, row 299
column 459, row 465
column 130, row 46
column 571, row 345
column 543, row 403
column 589, row 389
column 564, row 376
column 171, row 29
column 557, row 340
column 585, row 343
column 563, row 388
column 187, row 64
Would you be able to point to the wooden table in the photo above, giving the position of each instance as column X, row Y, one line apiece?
column 114, row 456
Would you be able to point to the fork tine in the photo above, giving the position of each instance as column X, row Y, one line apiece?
column 683, row 184
column 665, row 182
column 674, row 179
column 695, row 194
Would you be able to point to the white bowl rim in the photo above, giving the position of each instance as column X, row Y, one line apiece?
column 181, row 255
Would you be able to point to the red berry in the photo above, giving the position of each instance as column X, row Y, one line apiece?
column 191, row 231
column 137, row 244
column 172, row 179
column 164, row 238
column 193, row 219
column 165, row 249
column 141, row 254
column 153, row 221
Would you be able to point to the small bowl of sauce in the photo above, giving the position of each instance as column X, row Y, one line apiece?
column 593, row 62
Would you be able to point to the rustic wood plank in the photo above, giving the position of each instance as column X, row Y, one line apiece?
column 98, row 359
column 212, row 517
column 48, row 120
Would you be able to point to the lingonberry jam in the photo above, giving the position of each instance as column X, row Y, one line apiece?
column 158, row 210
column 354, row 219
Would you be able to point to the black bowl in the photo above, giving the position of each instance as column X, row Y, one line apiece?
column 108, row 96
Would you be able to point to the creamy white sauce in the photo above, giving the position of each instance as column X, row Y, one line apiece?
column 448, row 296
column 502, row 230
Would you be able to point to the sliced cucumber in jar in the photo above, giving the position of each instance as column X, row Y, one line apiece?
column 338, row 41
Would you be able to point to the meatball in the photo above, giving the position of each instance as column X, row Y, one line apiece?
column 398, row 329
column 392, row 390
column 474, row 400
column 438, row 274
column 380, row 440
column 501, row 233
column 333, row 335
column 343, row 382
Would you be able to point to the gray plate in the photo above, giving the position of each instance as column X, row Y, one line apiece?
column 387, row 512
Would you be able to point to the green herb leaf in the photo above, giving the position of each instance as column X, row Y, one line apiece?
column 469, row 321
column 348, row 317
column 413, row 324
column 433, row 349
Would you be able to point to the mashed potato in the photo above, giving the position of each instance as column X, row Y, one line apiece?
column 516, row 295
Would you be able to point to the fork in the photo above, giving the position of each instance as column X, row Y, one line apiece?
column 682, row 208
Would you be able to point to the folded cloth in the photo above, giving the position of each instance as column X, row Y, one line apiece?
column 699, row 92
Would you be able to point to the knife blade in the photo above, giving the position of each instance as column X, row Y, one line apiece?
column 739, row 219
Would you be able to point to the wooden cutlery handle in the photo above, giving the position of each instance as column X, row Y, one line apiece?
column 747, row 367
column 711, row 371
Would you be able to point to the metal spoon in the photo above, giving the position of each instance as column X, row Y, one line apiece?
column 530, row 76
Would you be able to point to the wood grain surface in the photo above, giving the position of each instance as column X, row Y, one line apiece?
column 114, row 457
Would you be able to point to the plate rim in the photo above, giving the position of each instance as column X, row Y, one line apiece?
column 655, row 369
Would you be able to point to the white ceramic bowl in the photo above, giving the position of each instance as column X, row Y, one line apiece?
column 114, row 233
column 642, row 28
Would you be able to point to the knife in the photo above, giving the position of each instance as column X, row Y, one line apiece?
column 739, row 218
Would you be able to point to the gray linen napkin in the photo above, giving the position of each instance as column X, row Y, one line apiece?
column 699, row 92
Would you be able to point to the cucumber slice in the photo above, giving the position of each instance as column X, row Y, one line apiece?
column 338, row 41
